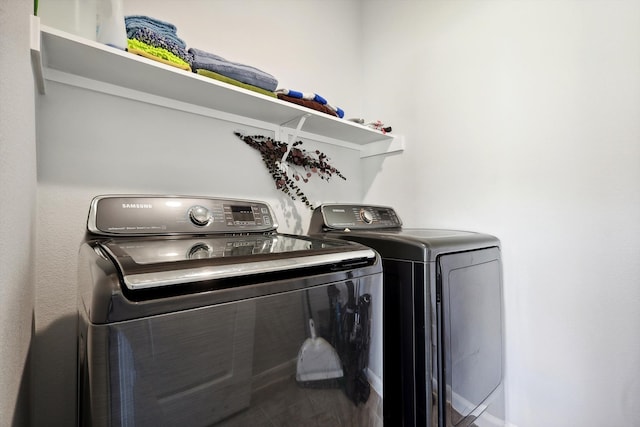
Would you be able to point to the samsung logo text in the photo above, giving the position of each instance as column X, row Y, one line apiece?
column 137, row 206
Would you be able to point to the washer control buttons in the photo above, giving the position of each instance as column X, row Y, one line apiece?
column 366, row 216
column 200, row 216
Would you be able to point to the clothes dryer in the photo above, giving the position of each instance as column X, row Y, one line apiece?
column 443, row 316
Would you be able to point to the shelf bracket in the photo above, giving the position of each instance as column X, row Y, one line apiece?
column 372, row 149
column 294, row 135
column 36, row 53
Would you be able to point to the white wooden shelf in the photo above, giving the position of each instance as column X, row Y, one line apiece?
column 63, row 57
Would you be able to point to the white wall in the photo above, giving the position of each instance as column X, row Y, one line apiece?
column 17, row 211
column 91, row 143
column 522, row 120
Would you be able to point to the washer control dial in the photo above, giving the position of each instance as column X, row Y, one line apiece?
column 200, row 216
column 200, row 251
column 366, row 216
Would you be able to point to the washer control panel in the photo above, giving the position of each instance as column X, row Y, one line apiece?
column 168, row 215
column 339, row 216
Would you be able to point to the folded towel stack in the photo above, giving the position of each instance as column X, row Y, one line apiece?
column 314, row 101
column 158, row 40
column 208, row 64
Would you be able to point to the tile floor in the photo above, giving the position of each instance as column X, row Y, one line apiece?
column 286, row 404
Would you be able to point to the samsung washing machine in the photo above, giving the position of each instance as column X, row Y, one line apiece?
column 443, row 317
column 195, row 311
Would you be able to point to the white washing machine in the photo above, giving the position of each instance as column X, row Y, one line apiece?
column 443, row 316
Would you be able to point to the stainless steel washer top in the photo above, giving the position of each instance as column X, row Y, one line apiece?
column 176, row 245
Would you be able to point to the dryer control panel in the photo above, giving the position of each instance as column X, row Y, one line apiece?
column 115, row 215
column 357, row 217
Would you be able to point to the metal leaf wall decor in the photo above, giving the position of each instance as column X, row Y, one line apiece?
column 298, row 165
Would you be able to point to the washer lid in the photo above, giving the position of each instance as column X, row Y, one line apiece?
column 157, row 262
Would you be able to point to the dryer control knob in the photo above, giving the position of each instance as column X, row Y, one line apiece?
column 366, row 216
column 200, row 216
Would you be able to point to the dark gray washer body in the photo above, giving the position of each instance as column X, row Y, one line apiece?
column 204, row 352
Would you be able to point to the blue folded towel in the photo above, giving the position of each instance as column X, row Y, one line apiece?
column 241, row 72
column 161, row 28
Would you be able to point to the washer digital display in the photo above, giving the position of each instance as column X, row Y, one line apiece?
column 242, row 213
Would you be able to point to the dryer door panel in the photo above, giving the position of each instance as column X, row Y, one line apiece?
column 471, row 298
